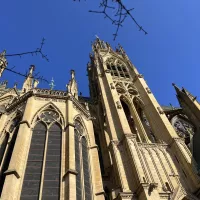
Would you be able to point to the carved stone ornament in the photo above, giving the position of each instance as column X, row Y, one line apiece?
column 160, row 110
column 148, row 90
column 107, row 71
column 112, row 86
column 140, row 76
column 118, row 105
column 152, row 186
column 100, row 75
column 110, row 60
column 137, row 76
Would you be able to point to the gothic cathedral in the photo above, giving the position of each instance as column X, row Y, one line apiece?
column 117, row 144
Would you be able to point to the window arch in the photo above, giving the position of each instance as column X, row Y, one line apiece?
column 83, row 183
column 184, row 129
column 128, row 116
column 117, row 69
column 7, row 148
column 44, row 159
column 145, row 121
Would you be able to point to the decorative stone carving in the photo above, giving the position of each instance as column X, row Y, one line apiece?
column 3, row 62
column 184, row 129
column 35, row 84
column 72, row 85
column 152, row 186
column 137, row 76
column 118, row 105
column 140, row 76
column 148, row 90
column 107, row 71
column 112, row 86
column 50, row 92
column 110, row 60
column 139, row 101
column 160, row 110
column 100, row 75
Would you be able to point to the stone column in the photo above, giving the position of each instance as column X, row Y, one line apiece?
column 119, row 167
column 70, row 173
column 96, row 177
column 139, row 125
column 96, row 174
column 3, row 121
column 16, row 169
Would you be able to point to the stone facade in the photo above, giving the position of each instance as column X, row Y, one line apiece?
column 118, row 144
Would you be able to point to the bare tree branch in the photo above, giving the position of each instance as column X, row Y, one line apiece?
column 37, row 51
column 36, row 76
column 120, row 14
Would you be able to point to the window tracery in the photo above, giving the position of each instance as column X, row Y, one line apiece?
column 117, row 68
column 184, row 129
column 148, row 127
column 144, row 120
column 83, row 185
column 49, row 116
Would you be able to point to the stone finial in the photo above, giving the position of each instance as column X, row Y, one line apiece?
column 15, row 85
column 31, row 69
column 28, row 83
column 72, row 74
column 35, row 83
column 72, row 85
column 51, row 84
column 3, row 62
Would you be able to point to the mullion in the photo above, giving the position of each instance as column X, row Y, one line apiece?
column 51, row 185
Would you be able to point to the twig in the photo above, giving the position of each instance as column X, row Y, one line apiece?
column 121, row 13
column 38, row 50
column 40, row 78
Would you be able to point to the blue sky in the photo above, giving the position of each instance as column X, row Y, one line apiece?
column 169, row 53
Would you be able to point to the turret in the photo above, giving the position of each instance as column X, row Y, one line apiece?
column 3, row 62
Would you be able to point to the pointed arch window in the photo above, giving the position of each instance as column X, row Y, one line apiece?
column 118, row 69
column 83, row 181
column 42, row 175
column 7, row 147
column 128, row 116
column 145, row 122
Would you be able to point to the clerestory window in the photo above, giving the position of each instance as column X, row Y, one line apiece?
column 83, row 182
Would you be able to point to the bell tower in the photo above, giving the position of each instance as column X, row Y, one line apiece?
column 143, row 157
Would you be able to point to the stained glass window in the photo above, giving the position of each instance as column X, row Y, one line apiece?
column 31, row 184
column 78, row 168
column 44, row 159
column 86, row 170
column 83, row 182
